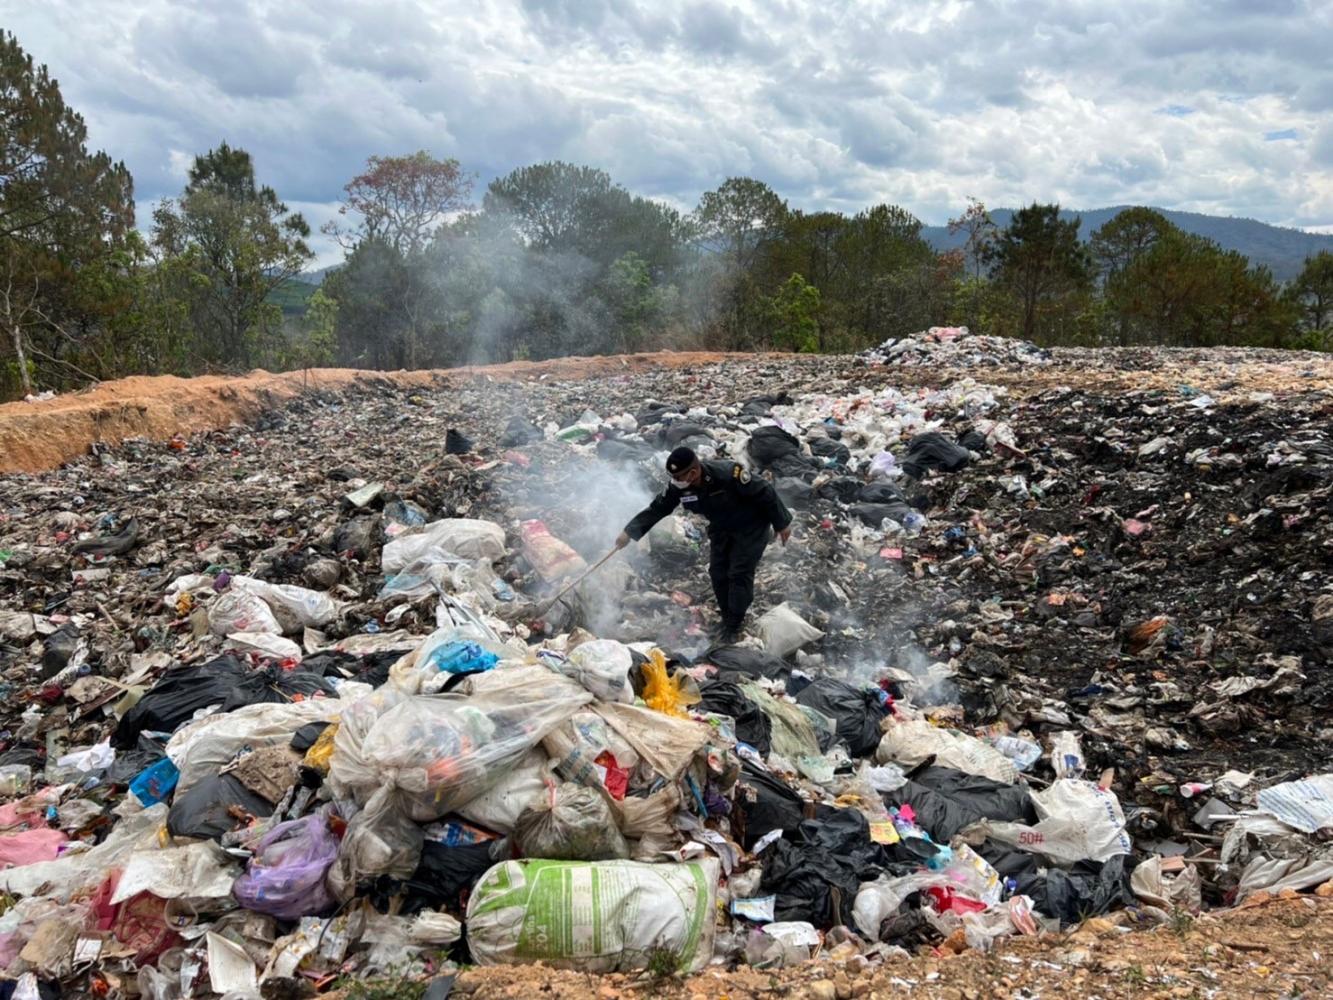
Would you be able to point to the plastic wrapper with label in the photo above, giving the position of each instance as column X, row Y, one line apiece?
column 608, row 916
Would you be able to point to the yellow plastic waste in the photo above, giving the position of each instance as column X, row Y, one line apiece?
column 321, row 751
column 663, row 692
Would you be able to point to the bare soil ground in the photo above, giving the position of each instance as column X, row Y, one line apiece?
column 1274, row 947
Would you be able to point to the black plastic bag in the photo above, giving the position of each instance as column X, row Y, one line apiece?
column 443, row 877
column 818, row 873
column 873, row 514
column 129, row 763
column 372, row 669
column 947, row 800
column 677, row 434
column 357, row 537
column 750, row 662
column 752, row 725
column 1009, row 862
column 457, row 443
column 794, row 492
column 1089, row 889
column 880, row 492
column 827, row 448
column 619, row 452
column 47, row 989
column 57, row 649
column 794, row 467
column 932, row 450
column 519, row 432
column 225, row 682
column 115, row 544
column 205, row 811
column 975, row 441
column 304, row 738
column 765, row 803
column 769, row 443
column 844, row 489
column 856, row 712
column 823, row 447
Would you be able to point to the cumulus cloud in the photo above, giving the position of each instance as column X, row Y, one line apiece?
column 1219, row 107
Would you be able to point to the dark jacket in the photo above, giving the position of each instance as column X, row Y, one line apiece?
column 733, row 501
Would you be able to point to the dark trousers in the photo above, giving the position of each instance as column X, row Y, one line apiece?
column 732, row 561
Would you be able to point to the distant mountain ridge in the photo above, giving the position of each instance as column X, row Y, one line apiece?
column 1282, row 250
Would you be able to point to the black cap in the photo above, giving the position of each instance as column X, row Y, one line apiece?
column 680, row 460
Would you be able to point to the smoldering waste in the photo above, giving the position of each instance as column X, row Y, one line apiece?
column 283, row 705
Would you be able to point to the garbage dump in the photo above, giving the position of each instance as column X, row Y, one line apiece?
column 295, row 702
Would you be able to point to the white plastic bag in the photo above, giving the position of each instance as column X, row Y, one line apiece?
column 1023, row 752
column 783, row 631
column 1306, row 805
column 667, row 744
column 605, row 916
column 275, row 647
column 881, row 898
column 464, row 537
column 1067, row 756
column 911, row 741
column 201, row 747
column 380, row 840
column 440, row 751
column 241, row 611
column 348, row 765
column 294, row 607
column 602, row 666
column 498, row 807
column 1077, row 821
column 1182, row 890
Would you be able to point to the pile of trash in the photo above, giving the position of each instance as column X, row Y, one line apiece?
column 295, row 702
column 955, row 345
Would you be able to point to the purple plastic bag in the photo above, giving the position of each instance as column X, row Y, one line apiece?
column 285, row 878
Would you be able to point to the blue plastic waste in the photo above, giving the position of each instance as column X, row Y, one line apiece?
column 155, row 783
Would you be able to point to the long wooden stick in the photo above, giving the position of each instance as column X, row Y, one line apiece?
column 574, row 583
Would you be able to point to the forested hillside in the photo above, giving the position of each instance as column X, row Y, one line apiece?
column 559, row 259
column 1283, row 251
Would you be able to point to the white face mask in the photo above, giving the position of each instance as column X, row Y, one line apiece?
column 680, row 484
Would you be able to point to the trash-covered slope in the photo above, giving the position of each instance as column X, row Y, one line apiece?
column 1047, row 624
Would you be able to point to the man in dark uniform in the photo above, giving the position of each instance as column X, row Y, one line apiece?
column 741, row 510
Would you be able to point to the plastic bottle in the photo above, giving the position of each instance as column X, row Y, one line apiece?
column 15, row 780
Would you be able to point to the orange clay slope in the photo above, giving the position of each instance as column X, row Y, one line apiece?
column 44, row 434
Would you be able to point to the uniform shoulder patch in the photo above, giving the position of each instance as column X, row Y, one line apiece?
column 739, row 472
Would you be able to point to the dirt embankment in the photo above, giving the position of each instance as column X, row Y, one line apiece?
column 1273, row 948
column 43, row 434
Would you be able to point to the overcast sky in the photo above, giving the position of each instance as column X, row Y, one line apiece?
column 1222, row 107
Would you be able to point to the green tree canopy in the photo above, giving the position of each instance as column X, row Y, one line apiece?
column 63, row 210
column 1039, row 261
column 231, row 242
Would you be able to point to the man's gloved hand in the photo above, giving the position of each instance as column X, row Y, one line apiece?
column 622, row 540
column 785, row 536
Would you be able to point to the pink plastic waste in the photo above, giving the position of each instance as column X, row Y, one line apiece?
column 549, row 556
column 29, row 810
column 28, row 847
